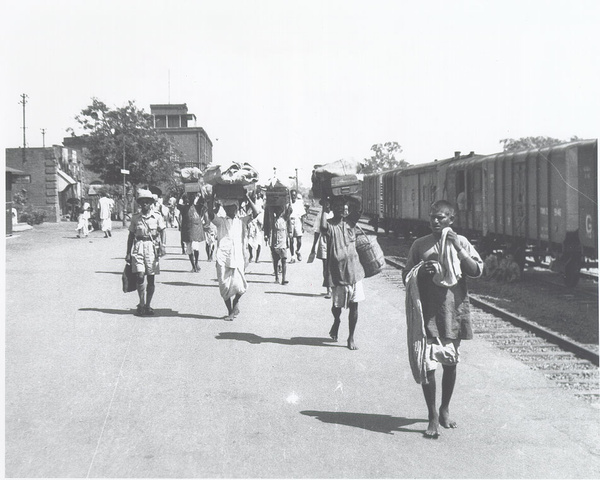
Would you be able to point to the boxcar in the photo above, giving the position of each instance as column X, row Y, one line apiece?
column 535, row 202
column 543, row 202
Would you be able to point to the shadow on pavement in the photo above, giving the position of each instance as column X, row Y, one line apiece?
column 296, row 294
column 158, row 312
column 373, row 422
column 175, row 271
column 188, row 284
column 111, row 273
column 256, row 339
column 260, row 274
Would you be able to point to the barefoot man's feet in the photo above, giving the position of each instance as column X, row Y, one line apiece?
column 432, row 429
column 333, row 333
column 445, row 421
column 351, row 344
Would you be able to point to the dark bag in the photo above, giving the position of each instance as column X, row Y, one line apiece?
column 129, row 279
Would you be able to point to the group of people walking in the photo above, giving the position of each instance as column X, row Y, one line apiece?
column 437, row 306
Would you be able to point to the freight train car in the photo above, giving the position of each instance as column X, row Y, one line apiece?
column 543, row 202
column 539, row 202
column 406, row 195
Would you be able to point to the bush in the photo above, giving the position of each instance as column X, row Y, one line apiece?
column 34, row 217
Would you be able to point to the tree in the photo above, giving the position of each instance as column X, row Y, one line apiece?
column 125, row 138
column 526, row 143
column 384, row 158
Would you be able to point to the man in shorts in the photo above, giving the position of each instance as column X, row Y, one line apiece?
column 343, row 266
column 445, row 304
column 145, row 245
column 296, row 219
column 277, row 235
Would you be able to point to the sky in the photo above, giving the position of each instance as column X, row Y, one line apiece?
column 292, row 84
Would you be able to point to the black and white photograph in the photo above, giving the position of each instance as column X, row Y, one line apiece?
column 301, row 239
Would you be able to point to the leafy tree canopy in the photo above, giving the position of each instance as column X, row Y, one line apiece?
column 384, row 158
column 111, row 134
column 526, row 143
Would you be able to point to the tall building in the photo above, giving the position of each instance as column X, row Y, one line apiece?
column 49, row 177
column 194, row 147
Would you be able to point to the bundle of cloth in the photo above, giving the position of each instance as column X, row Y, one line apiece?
column 232, row 174
column 191, row 174
column 322, row 175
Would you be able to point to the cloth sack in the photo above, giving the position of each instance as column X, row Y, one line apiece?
column 444, row 354
column 129, row 279
column 232, row 174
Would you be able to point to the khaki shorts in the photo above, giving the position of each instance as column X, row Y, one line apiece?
column 343, row 295
column 449, row 347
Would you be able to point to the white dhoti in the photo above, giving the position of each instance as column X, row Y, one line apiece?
column 232, row 281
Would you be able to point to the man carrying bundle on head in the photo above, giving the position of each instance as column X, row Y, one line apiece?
column 343, row 265
column 230, row 258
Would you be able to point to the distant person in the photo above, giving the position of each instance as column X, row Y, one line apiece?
column 296, row 224
column 107, row 206
column 435, row 277
column 192, row 213
column 230, row 255
column 343, row 266
column 83, row 225
column 255, row 230
column 172, row 219
column 277, row 235
column 145, row 245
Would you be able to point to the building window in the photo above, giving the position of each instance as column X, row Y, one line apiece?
column 160, row 121
column 174, row 121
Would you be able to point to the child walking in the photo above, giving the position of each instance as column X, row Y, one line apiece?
column 277, row 235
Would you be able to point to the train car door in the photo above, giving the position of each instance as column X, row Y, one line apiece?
column 532, row 176
column 588, row 197
column 508, row 197
column 519, row 195
column 543, row 196
column 558, row 175
column 499, row 197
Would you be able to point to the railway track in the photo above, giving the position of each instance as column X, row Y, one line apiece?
column 563, row 362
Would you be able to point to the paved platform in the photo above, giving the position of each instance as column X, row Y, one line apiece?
column 94, row 391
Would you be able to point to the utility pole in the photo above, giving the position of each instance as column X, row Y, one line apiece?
column 43, row 137
column 24, row 102
column 295, row 178
column 124, row 172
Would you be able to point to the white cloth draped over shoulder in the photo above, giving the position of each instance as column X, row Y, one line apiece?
column 448, row 271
